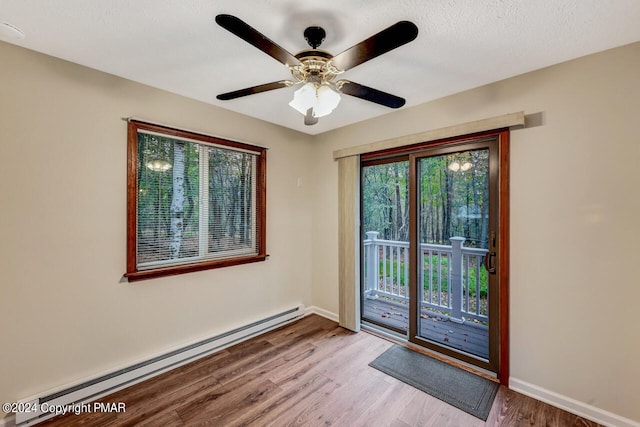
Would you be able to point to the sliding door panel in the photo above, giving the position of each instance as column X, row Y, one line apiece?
column 454, row 250
column 385, row 244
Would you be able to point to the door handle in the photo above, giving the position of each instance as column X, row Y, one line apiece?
column 489, row 262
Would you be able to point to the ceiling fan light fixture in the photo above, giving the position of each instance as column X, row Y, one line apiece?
column 304, row 98
column 327, row 100
column 321, row 99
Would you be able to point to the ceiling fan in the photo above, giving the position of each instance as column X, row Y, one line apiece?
column 315, row 70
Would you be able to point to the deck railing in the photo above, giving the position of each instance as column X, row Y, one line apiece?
column 454, row 280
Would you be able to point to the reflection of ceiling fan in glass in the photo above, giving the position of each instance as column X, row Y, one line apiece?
column 315, row 70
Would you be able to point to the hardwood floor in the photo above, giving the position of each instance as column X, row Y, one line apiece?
column 308, row 373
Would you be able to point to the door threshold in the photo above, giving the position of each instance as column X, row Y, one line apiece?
column 402, row 340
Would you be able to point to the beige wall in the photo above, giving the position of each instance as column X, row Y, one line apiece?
column 575, row 283
column 65, row 314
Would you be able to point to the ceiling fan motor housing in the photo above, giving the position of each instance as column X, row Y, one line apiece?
column 315, row 66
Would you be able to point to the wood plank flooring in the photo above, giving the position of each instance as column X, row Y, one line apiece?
column 308, row 373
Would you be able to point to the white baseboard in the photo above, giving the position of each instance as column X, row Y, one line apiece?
column 322, row 312
column 571, row 405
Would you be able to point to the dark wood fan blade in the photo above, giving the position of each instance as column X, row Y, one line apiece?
column 371, row 94
column 254, row 89
column 395, row 36
column 255, row 38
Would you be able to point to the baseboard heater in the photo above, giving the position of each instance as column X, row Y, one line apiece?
column 40, row 408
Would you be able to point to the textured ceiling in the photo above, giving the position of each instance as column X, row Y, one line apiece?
column 177, row 46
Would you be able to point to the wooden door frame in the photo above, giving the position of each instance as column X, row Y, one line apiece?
column 503, row 257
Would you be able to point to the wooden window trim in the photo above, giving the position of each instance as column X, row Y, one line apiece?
column 133, row 273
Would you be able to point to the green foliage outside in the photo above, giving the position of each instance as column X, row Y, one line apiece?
column 391, row 268
column 451, row 203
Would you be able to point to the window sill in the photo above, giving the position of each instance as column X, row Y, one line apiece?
column 135, row 276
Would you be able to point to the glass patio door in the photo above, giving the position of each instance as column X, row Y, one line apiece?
column 385, row 239
column 453, row 249
column 430, row 237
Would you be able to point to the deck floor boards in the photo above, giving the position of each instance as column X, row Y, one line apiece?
column 466, row 337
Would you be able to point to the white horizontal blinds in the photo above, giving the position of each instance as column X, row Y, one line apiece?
column 232, row 226
column 195, row 201
column 195, row 141
column 168, row 202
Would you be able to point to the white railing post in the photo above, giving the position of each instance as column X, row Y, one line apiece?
column 455, row 287
column 373, row 265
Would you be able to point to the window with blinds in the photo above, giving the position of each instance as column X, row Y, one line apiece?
column 195, row 202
